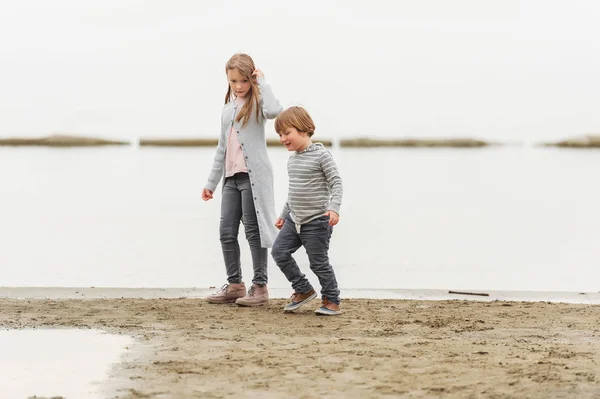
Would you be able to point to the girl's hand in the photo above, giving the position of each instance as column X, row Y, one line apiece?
column 206, row 194
column 258, row 73
column 279, row 223
column 334, row 218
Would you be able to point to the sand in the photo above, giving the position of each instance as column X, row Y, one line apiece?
column 187, row 348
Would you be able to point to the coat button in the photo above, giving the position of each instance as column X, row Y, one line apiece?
column 254, row 197
column 246, row 157
column 249, row 171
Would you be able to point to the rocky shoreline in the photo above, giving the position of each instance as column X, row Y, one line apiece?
column 60, row 140
column 589, row 141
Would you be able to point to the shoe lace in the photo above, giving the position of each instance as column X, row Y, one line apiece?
column 223, row 288
column 251, row 290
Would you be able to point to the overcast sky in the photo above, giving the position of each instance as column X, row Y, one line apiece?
column 504, row 69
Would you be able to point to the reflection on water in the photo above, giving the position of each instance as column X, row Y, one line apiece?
column 493, row 219
column 67, row 363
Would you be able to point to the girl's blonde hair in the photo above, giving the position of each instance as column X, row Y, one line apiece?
column 297, row 118
column 245, row 66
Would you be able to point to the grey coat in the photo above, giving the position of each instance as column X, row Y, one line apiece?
column 252, row 140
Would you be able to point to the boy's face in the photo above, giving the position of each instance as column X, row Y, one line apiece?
column 294, row 140
column 240, row 85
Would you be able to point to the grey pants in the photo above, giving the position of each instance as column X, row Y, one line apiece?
column 237, row 205
column 314, row 236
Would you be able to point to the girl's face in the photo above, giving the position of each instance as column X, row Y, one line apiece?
column 294, row 140
column 240, row 85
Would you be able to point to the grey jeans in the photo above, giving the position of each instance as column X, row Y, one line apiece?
column 237, row 205
column 314, row 236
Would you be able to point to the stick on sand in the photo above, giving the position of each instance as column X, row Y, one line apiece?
column 469, row 293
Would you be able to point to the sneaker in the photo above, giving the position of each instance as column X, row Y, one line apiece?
column 328, row 308
column 258, row 295
column 298, row 299
column 228, row 293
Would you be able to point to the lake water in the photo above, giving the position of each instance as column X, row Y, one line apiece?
column 506, row 218
column 57, row 363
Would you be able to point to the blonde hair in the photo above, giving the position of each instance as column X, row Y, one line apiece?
column 297, row 118
column 245, row 66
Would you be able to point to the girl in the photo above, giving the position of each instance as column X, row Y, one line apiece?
column 247, row 195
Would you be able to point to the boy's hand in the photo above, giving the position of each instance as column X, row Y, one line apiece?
column 206, row 194
column 334, row 218
column 279, row 223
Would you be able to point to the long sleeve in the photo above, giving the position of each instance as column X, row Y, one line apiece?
column 270, row 105
column 286, row 207
column 285, row 211
column 218, row 166
column 334, row 181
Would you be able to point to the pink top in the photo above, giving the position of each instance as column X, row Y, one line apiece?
column 234, row 156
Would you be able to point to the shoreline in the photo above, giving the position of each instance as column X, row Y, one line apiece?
column 589, row 298
column 188, row 348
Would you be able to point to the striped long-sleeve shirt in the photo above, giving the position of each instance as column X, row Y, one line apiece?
column 315, row 185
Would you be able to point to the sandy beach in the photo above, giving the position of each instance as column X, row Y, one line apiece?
column 187, row 348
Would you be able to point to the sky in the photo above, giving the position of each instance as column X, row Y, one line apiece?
column 497, row 69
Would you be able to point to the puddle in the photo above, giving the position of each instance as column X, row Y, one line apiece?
column 63, row 363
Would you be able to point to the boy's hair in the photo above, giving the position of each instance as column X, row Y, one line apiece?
column 297, row 118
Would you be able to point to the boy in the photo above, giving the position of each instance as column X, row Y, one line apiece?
column 312, row 209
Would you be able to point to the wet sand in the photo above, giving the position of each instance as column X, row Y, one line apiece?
column 187, row 348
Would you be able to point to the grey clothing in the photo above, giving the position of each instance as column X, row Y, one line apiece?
column 237, row 205
column 314, row 236
column 315, row 185
column 252, row 140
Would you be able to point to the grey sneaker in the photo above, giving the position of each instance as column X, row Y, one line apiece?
column 298, row 299
column 228, row 293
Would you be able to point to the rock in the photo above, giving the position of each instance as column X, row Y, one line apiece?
column 277, row 143
column 588, row 141
column 180, row 142
column 60, row 141
column 411, row 142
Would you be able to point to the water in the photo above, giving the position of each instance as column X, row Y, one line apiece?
column 48, row 363
column 515, row 218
